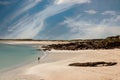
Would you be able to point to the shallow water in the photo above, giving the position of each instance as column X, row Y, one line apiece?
column 12, row 55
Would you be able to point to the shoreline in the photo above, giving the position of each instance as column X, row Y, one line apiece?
column 57, row 62
column 34, row 42
column 31, row 60
column 54, row 66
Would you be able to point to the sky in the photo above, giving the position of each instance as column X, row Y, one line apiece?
column 59, row 19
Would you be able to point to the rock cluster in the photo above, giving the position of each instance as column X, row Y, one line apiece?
column 108, row 43
column 93, row 64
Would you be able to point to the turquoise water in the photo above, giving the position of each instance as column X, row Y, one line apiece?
column 12, row 55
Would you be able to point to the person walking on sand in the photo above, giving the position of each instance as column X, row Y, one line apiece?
column 38, row 59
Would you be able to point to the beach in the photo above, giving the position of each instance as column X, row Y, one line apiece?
column 59, row 39
column 55, row 66
column 47, row 42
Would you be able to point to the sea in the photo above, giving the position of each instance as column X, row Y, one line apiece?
column 16, row 55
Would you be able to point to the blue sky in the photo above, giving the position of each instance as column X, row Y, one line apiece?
column 59, row 19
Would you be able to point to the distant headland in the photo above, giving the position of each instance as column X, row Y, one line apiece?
column 76, row 44
column 107, row 43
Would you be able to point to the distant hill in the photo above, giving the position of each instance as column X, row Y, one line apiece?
column 29, row 40
column 16, row 39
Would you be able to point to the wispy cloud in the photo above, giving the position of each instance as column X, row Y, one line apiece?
column 5, row 2
column 89, row 29
column 91, row 11
column 30, row 26
column 25, row 7
column 20, row 9
column 72, row 1
column 109, row 13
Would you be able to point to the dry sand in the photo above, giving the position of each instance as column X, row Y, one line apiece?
column 34, row 42
column 55, row 66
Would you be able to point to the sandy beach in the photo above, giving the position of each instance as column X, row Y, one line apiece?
column 55, row 66
column 59, row 39
column 34, row 42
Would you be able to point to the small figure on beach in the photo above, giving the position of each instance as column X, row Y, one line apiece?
column 38, row 59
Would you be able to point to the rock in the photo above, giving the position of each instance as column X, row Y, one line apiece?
column 108, row 43
column 93, row 64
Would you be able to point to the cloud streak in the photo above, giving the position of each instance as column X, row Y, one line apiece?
column 109, row 13
column 5, row 2
column 31, row 25
column 72, row 1
column 89, row 30
column 25, row 7
column 91, row 11
column 20, row 9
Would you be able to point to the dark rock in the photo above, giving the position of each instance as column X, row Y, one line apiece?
column 93, row 64
column 108, row 43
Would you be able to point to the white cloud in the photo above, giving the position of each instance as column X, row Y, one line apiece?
column 89, row 30
column 4, row 3
column 25, row 7
column 112, row 20
column 91, row 11
column 109, row 13
column 30, row 26
column 38, row 1
column 72, row 1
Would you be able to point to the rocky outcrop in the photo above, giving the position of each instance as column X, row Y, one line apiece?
column 108, row 43
column 93, row 64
